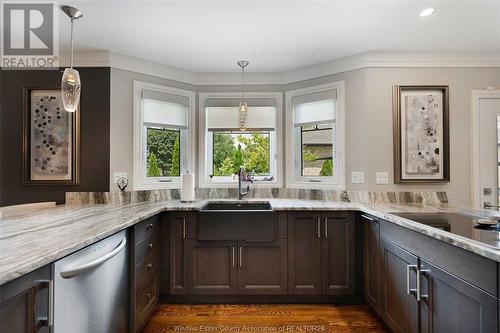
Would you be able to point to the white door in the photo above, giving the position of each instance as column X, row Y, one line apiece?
column 487, row 140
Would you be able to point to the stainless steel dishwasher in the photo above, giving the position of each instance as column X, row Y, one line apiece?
column 91, row 288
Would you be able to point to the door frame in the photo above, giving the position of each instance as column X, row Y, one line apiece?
column 476, row 97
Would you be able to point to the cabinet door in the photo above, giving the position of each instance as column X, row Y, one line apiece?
column 304, row 256
column 262, row 268
column 211, row 267
column 371, row 261
column 178, row 269
column 451, row 305
column 24, row 303
column 399, row 308
column 338, row 255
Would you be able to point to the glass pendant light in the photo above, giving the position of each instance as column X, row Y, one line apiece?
column 70, row 83
column 243, row 108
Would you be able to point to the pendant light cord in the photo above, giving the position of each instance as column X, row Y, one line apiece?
column 243, row 82
column 71, row 41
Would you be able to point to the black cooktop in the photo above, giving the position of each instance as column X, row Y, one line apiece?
column 459, row 224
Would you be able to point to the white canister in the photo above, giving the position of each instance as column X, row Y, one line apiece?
column 187, row 187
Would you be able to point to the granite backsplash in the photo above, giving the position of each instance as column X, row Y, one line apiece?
column 366, row 197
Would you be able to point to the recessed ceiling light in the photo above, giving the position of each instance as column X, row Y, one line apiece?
column 426, row 12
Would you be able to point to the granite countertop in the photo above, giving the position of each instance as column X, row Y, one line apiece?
column 30, row 241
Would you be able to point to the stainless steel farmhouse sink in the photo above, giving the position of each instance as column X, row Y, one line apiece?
column 236, row 206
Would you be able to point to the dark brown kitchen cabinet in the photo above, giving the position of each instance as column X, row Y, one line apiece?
column 262, row 267
column 144, row 271
column 337, row 255
column 399, row 308
column 304, row 253
column 237, row 267
column 321, row 255
column 181, row 225
column 450, row 290
column 371, row 260
column 449, row 304
column 212, row 267
column 24, row 303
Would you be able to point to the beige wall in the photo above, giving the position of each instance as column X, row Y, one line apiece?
column 461, row 82
column 122, row 119
column 368, row 119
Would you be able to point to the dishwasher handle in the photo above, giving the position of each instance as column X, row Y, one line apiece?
column 74, row 271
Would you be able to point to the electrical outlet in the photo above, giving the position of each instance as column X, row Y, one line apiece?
column 382, row 178
column 358, row 177
column 118, row 175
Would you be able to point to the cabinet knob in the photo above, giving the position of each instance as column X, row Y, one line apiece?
column 149, row 266
column 148, row 296
column 150, row 226
column 150, row 245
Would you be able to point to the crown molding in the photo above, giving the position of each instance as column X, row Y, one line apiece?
column 99, row 58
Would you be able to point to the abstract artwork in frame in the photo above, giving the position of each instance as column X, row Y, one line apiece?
column 421, row 127
column 51, row 138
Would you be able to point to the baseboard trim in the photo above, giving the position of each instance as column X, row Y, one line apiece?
column 260, row 299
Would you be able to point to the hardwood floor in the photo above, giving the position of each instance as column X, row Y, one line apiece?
column 262, row 318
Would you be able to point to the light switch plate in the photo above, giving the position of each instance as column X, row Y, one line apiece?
column 382, row 178
column 358, row 177
column 118, row 175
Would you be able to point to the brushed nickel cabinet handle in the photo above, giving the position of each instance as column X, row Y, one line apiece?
column 425, row 273
column 241, row 256
column 233, row 250
column 318, row 224
column 410, row 291
column 183, row 228
column 46, row 321
column 326, row 227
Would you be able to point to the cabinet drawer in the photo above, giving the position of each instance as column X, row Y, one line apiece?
column 146, row 299
column 146, row 229
column 147, row 269
column 145, row 248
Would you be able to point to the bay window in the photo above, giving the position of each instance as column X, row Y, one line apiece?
column 162, row 135
column 315, row 129
column 224, row 148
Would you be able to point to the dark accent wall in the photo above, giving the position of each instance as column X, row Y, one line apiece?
column 94, row 134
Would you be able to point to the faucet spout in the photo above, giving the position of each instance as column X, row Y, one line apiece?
column 242, row 193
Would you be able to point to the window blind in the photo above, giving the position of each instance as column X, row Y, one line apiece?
column 163, row 109
column 223, row 114
column 314, row 108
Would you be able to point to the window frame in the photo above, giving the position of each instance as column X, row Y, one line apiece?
column 336, row 182
column 275, row 147
column 140, row 179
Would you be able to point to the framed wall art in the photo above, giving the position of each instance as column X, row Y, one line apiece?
column 421, row 134
column 51, row 138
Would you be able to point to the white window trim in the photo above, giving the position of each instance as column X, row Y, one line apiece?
column 203, row 176
column 291, row 182
column 140, row 182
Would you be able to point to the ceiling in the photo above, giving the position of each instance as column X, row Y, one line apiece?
column 276, row 36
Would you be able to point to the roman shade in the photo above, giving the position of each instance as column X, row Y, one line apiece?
column 314, row 108
column 223, row 114
column 164, row 109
